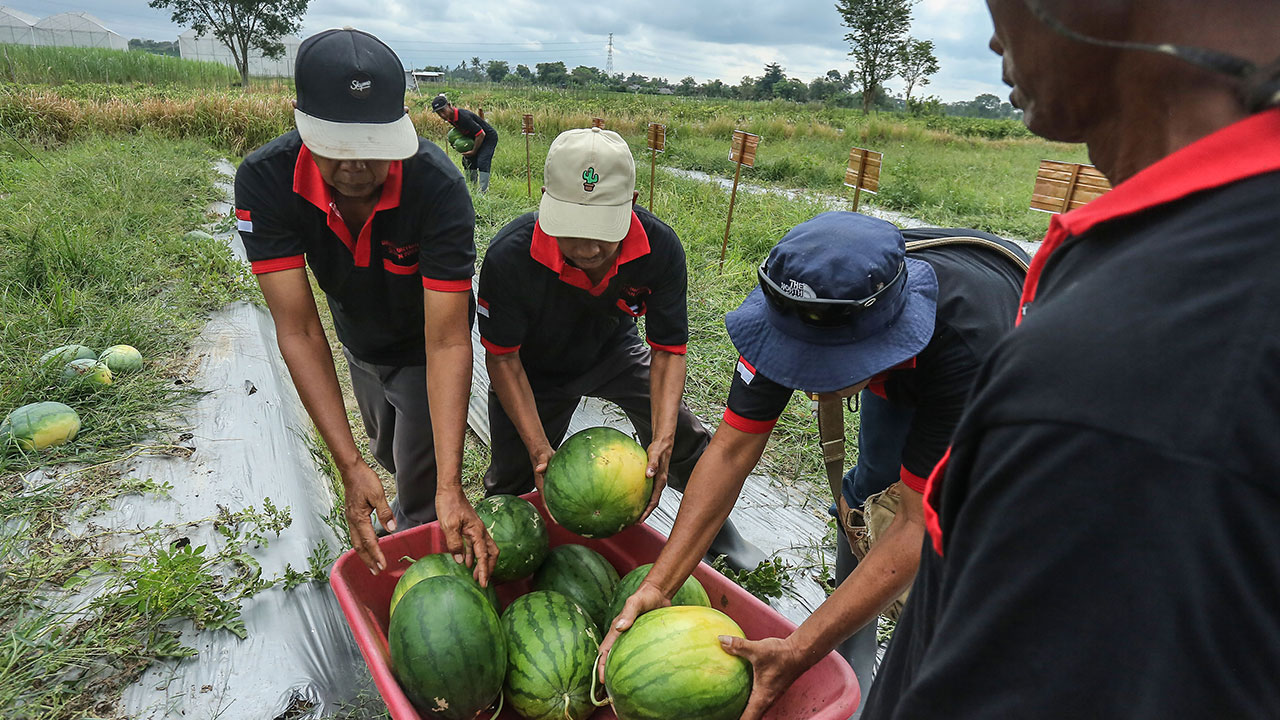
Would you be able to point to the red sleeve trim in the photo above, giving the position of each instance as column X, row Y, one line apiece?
column 747, row 425
column 497, row 349
column 262, row 267
column 399, row 269
column 673, row 349
column 932, row 523
column 912, row 480
column 446, row 285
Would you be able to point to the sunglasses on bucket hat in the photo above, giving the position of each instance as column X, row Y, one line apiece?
column 824, row 312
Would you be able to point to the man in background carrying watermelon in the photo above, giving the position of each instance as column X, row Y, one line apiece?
column 843, row 309
column 560, row 292
column 472, row 137
column 384, row 221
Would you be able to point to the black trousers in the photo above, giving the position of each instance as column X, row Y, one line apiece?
column 623, row 379
column 483, row 161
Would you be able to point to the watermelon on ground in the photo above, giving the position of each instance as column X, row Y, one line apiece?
column 447, row 647
column 518, row 531
column 583, row 575
column 670, row 665
column 39, row 425
column 434, row 566
column 690, row 593
column 86, row 372
column 551, row 653
column 67, row 353
column 596, row 484
column 122, row 358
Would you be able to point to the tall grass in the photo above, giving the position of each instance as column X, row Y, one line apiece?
column 59, row 65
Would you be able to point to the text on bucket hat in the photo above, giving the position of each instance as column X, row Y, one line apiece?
column 351, row 98
column 590, row 179
column 838, row 302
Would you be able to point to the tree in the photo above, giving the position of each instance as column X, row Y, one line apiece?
column 241, row 25
column 877, row 29
column 916, row 63
column 496, row 70
column 524, row 72
column 552, row 73
column 475, row 63
column 772, row 76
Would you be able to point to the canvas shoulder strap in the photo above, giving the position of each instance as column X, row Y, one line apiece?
column 831, row 435
column 971, row 240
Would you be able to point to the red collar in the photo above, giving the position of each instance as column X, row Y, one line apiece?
column 1241, row 150
column 455, row 115
column 545, row 250
column 308, row 183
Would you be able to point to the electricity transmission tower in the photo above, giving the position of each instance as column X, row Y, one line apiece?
column 608, row 65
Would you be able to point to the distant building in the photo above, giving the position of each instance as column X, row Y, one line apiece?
column 71, row 29
column 666, row 91
column 428, row 76
column 210, row 49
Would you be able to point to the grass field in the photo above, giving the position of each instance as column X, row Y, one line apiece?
column 60, row 65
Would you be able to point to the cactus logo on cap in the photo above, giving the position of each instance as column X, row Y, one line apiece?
column 590, row 178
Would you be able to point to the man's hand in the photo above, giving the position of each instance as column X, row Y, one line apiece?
column 659, row 460
column 776, row 664
column 646, row 597
column 364, row 496
column 470, row 153
column 540, row 459
column 465, row 535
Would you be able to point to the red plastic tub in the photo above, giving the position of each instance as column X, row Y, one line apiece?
column 828, row 691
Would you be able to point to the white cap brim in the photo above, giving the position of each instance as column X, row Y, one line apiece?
column 609, row 223
column 358, row 141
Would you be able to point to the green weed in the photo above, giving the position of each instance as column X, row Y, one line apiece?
column 58, row 65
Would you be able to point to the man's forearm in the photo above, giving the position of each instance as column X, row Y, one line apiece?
column 310, row 363
column 511, row 384
column 448, row 393
column 887, row 570
column 666, row 389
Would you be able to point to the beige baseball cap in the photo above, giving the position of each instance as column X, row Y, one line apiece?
column 590, row 181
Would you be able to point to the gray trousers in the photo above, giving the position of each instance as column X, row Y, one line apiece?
column 393, row 405
column 622, row 379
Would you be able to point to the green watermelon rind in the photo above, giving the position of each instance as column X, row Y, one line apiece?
column 447, row 648
column 38, row 426
column 583, row 491
column 670, row 665
column 464, row 144
column 691, row 591
column 87, row 372
column 122, row 358
column 60, row 356
column 520, row 533
column 581, row 574
column 551, row 654
column 435, row 565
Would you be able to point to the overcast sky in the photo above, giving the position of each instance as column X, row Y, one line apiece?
column 666, row 38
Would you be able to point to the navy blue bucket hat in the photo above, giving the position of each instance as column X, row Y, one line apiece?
column 838, row 303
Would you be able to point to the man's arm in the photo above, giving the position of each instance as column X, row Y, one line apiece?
column 713, row 488
column 310, row 361
column 448, row 338
column 666, row 388
column 887, row 570
column 475, row 148
column 509, row 381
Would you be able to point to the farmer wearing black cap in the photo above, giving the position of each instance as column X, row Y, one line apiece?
column 478, row 161
column 842, row 309
column 1104, row 533
column 384, row 222
column 560, row 292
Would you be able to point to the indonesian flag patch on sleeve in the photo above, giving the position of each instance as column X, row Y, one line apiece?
column 745, row 371
column 244, row 223
column 482, row 306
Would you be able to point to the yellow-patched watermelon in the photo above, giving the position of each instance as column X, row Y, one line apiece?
column 39, row 425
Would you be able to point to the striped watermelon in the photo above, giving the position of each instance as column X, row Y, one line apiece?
column 518, row 531
column 583, row 575
column 551, row 651
column 447, row 647
column 88, row 373
column 596, row 484
column 434, row 566
column 38, row 426
column 67, row 353
column 690, row 593
column 122, row 358
column 670, row 665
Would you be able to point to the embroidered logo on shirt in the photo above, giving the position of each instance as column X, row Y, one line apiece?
column 589, row 179
column 244, row 223
column 633, row 300
column 400, row 252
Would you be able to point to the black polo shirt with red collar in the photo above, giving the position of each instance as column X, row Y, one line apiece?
column 533, row 301
column 977, row 303
column 1104, row 534
column 469, row 123
column 421, row 234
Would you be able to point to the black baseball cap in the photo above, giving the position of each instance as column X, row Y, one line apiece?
column 351, row 98
column 438, row 102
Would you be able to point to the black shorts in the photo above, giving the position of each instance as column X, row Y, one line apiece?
column 483, row 160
